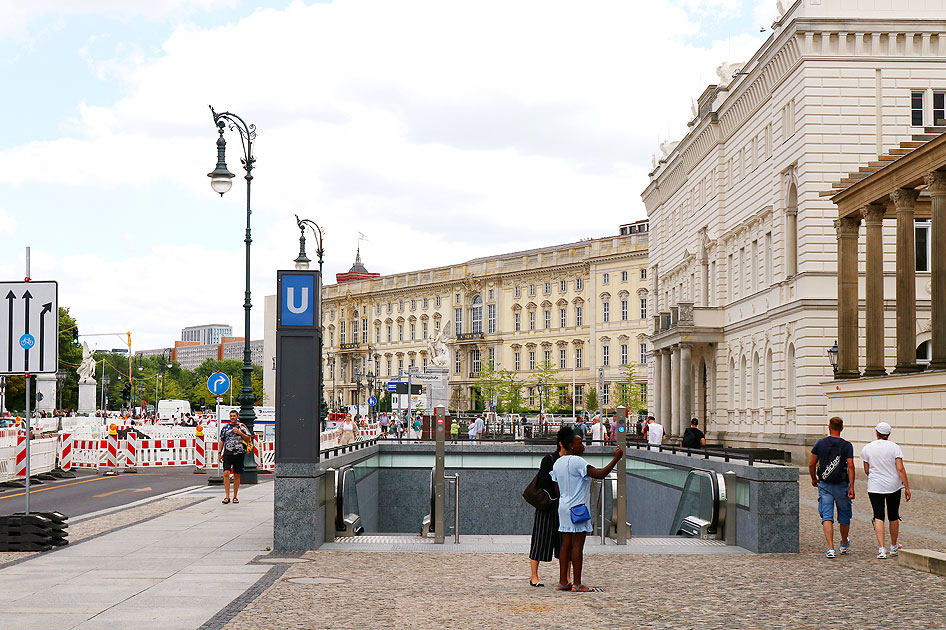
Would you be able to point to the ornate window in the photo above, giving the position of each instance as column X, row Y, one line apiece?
column 476, row 315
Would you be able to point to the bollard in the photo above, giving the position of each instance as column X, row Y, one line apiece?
column 620, row 518
column 131, row 452
column 65, row 452
column 439, row 490
column 200, row 456
column 111, row 451
column 21, row 441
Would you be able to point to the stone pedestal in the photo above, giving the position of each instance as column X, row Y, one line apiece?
column 438, row 389
column 46, row 385
column 86, row 397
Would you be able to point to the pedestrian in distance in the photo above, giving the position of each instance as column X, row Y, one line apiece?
column 572, row 476
column 454, row 430
column 693, row 437
column 349, row 430
column 233, row 445
column 598, row 432
column 832, row 472
column 546, row 540
column 654, row 432
column 886, row 478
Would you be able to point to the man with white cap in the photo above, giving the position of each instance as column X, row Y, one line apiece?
column 886, row 476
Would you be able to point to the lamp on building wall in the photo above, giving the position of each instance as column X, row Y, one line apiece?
column 833, row 357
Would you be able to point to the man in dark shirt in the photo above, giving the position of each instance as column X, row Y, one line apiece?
column 832, row 472
column 693, row 437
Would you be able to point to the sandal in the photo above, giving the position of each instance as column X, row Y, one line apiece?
column 581, row 588
column 531, row 583
column 236, row 500
column 564, row 587
column 225, row 501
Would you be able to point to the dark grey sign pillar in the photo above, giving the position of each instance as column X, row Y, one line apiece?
column 620, row 519
column 439, row 491
column 297, row 523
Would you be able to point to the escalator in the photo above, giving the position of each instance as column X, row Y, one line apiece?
column 347, row 520
column 701, row 512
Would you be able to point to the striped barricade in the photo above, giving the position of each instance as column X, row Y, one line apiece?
column 88, row 453
column 42, row 455
column 266, row 455
column 154, row 453
column 65, row 451
column 130, row 451
column 200, row 453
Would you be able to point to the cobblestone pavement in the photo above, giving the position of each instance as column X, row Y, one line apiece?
column 805, row 590
column 108, row 522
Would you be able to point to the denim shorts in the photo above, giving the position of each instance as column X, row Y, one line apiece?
column 831, row 494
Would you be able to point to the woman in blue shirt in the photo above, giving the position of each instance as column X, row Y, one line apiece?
column 573, row 475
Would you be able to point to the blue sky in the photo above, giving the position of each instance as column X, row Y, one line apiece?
column 401, row 119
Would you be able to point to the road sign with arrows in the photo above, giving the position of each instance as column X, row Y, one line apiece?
column 29, row 327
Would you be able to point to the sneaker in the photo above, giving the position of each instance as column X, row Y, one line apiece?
column 881, row 554
column 895, row 549
column 845, row 548
column 829, row 553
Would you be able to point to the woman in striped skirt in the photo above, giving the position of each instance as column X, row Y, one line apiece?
column 546, row 539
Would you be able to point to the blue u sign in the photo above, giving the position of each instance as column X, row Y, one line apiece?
column 297, row 300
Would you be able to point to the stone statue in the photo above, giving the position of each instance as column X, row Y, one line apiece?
column 726, row 71
column 86, row 369
column 437, row 347
column 694, row 107
column 667, row 147
column 781, row 7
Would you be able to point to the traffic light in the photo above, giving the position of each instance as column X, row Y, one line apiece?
column 75, row 335
column 126, row 392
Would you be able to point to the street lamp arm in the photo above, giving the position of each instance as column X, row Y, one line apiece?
column 317, row 231
column 247, row 134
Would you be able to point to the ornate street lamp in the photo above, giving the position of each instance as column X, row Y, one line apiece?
column 221, row 181
column 833, row 357
column 106, row 381
column 302, row 263
column 60, row 381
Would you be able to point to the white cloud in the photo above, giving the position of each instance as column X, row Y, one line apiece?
column 443, row 130
column 7, row 223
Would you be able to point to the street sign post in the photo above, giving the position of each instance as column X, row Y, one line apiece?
column 29, row 328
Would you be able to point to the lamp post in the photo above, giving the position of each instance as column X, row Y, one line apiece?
column 302, row 263
column 106, row 381
column 60, row 381
column 833, row 357
column 3, row 394
column 221, row 181
column 165, row 366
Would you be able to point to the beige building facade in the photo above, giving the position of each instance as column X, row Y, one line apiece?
column 743, row 246
column 581, row 307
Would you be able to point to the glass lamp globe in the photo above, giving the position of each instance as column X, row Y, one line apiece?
column 221, row 183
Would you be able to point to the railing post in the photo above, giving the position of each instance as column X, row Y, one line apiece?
column 729, row 481
column 621, row 471
column 439, row 414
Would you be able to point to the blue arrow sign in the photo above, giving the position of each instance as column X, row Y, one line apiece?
column 218, row 383
column 372, row 401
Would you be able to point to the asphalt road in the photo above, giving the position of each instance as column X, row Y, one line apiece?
column 90, row 492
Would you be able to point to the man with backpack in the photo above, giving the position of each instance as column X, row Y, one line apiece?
column 832, row 472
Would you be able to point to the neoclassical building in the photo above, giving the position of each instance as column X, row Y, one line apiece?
column 581, row 307
column 743, row 245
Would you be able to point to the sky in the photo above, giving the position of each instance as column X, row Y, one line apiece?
column 443, row 130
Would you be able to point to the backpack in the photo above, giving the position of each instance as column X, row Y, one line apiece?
column 833, row 467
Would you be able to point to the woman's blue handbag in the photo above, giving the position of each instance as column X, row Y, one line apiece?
column 580, row 513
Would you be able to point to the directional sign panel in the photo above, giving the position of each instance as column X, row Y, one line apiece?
column 218, row 383
column 29, row 327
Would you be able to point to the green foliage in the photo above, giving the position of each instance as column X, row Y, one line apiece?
column 488, row 384
column 629, row 391
column 510, row 391
column 591, row 399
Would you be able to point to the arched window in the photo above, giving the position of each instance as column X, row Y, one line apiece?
column 791, row 232
column 790, row 376
column 923, row 353
column 768, row 379
column 743, row 384
column 476, row 314
column 732, row 383
column 755, row 380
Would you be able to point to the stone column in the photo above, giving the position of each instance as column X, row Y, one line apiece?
column 936, row 185
column 847, row 229
column 658, row 369
column 686, row 387
column 791, row 242
column 665, row 393
column 674, row 390
column 905, row 199
column 874, row 221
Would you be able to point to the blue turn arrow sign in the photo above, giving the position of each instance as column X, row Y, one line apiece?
column 218, row 383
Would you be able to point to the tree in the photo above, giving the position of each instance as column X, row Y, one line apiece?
column 489, row 382
column 510, row 391
column 545, row 379
column 629, row 391
column 591, row 399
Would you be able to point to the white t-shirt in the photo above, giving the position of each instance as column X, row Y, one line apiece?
column 655, row 433
column 597, row 432
column 882, row 456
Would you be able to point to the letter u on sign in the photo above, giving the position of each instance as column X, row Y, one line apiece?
column 297, row 300
column 303, row 300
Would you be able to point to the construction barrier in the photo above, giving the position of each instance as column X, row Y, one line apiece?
column 65, row 451
column 200, row 457
column 42, row 455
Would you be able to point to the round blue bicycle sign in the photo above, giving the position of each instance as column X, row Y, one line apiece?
column 27, row 341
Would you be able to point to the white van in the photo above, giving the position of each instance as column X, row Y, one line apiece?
column 168, row 409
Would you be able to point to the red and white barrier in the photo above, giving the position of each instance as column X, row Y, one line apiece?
column 200, row 457
column 130, row 451
column 20, row 463
column 42, row 455
column 65, row 451
column 111, row 454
